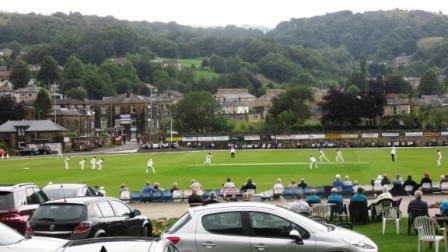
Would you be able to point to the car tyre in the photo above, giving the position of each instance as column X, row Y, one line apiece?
column 144, row 232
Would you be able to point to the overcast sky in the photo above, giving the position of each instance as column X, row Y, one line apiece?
column 215, row 12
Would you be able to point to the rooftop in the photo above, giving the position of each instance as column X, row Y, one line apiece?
column 33, row 126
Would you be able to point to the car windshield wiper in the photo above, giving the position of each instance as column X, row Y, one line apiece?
column 48, row 219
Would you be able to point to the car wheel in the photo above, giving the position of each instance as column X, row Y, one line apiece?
column 144, row 232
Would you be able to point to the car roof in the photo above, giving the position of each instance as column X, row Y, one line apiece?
column 229, row 205
column 12, row 187
column 66, row 186
column 78, row 200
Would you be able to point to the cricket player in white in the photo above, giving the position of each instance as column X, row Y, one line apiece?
column 59, row 153
column 339, row 157
column 322, row 156
column 313, row 162
column 66, row 162
column 99, row 163
column 93, row 163
column 439, row 158
column 81, row 163
column 232, row 152
column 208, row 159
column 393, row 153
column 150, row 164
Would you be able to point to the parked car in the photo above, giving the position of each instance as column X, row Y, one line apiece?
column 45, row 150
column 28, row 151
column 249, row 226
column 61, row 191
column 120, row 244
column 11, row 240
column 87, row 217
column 18, row 203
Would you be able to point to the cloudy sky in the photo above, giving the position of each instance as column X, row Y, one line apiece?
column 215, row 12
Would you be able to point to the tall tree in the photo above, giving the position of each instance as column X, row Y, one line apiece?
column 20, row 74
column 42, row 104
column 199, row 112
column 73, row 68
column 49, row 72
column 430, row 83
column 10, row 109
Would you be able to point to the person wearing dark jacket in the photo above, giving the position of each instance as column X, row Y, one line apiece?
column 410, row 182
column 211, row 199
column 195, row 199
column 426, row 180
column 249, row 185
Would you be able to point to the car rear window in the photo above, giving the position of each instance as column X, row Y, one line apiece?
column 60, row 212
column 180, row 223
column 6, row 200
column 58, row 193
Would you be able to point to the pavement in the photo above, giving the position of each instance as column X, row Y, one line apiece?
column 177, row 209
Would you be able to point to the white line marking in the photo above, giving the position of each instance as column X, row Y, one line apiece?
column 291, row 163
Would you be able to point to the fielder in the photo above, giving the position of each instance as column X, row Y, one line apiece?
column 439, row 158
column 313, row 162
column 322, row 156
column 393, row 153
column 99, row 163
column 66, row 162
column 208, row 159
column 232, row 152
column 82, row 163
column 150, row 164
column 339, row 157
column 93, row 163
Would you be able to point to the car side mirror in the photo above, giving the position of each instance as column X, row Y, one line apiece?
column 134, row 213
column 296, row 235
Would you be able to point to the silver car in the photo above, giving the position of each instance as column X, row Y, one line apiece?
column 11, row 241
column 120, row 244
column 248, row 226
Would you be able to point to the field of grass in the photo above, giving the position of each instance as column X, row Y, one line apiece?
column 264, row 166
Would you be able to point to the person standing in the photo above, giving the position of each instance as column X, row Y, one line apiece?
column 232, row 151
column 313, row 162
column 339, row 157
column 82, row 163
column 439, row 158
column 93, row 163
column 393, row 153
column 322, row 156
column 150, row 164
column 59, row 153
column 99, row 163
column 208, row 159
column 66, row 162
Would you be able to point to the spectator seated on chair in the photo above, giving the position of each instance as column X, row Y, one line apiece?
column 313, row 198
column 397, row 186
column 398, row 180
column 347, row 181
column 443, row 206
column 410, row 182
column 211, row 199
column 418, row 203
column 426, row 180
column 299, row 205
column 293, row 184
column 338, row 200
column 337, row 182
column 385, row 180
column 249, row 185
column 157, row 187
column 102, row 191
column 443, row 179
column 302, row 184
column 359, row 196
column 195, row 199
column 278, row 188
column 147, row 188
column 229, row 185
column 195, row 185
column 384, row 195
column 377, row 182
column 123, row 188
column 175, row 187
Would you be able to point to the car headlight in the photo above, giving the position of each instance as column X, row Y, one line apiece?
column 358, row 243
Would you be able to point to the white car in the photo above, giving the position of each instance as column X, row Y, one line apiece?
column 11, row 241
column 249, row 226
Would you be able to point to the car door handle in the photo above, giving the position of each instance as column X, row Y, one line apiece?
column 208, row 244
column 261, row 247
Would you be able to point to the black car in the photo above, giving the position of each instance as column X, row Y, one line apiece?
column 28, row 151
column 87, row 217
column 45, row 150
column 61, row 191
column 18, row 203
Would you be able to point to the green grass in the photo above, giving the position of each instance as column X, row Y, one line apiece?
column 361, row 164
column 199, row 73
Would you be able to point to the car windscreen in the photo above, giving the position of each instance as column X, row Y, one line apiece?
column 9, row 236
column 58, row 193
column 6, row 200
column 60, row 212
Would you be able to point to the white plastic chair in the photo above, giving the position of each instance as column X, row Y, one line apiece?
column 427, row 231
column 177, row 196
column 320, row 210
column 426, row 186
column 250, row 191
column 444, row 186
column 125, row 196
column 409, row 188
column 391, row 214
